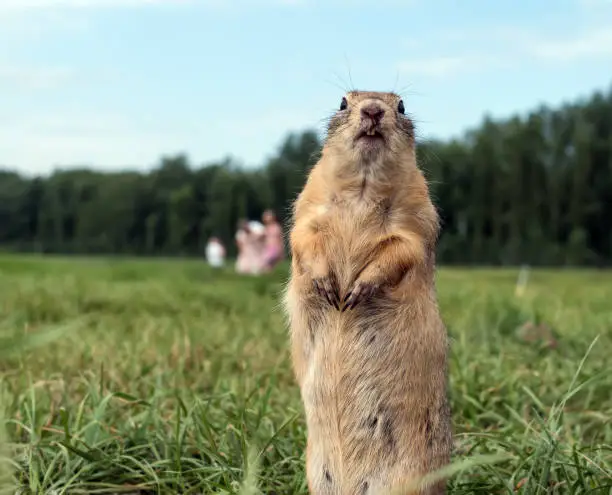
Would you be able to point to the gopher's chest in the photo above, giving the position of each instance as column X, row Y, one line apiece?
column 351, row 230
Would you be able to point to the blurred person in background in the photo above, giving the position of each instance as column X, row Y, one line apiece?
column 215, row 252
column 258, row 238
column 274, row 249
column 248, row 240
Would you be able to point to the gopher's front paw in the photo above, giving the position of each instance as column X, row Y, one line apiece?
column 327, row 288
column 360, row 291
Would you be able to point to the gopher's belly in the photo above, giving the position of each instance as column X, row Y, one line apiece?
column 374, row 395
column 357, row 396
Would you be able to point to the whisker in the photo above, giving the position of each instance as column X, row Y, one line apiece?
column 404, row 92
column 342, row 89
column 349, row 72
column 345, row 86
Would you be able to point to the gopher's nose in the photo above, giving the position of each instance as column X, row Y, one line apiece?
column 373, row 112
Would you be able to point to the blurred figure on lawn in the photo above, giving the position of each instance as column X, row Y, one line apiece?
column 215, row 253
column 274, row 249
column 249, row 239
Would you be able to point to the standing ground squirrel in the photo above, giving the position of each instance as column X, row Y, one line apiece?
column 369, row 347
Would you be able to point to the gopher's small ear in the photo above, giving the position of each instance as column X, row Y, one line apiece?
column 400, row 107
column 343, row 103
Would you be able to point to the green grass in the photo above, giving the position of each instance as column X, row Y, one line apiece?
column 124, row 376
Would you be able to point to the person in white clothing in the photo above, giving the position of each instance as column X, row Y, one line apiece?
column 215, row 253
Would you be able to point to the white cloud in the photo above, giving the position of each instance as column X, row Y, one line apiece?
column 486, row 34
column 35, row 77
column 443, row 66
column 73, row 122
column 435, row 67
column 21, row 23
column 36, row 143
column 28, row 5
column 271, row 124
column 591, row 44
column 507, row 46
column 19, row 5
column 595, row 3
column 24, row 5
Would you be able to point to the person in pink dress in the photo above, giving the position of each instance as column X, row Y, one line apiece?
column 273, row 247
column 245, row 263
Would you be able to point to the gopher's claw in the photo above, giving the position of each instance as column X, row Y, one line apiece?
column 326, row 287
column 360, row 292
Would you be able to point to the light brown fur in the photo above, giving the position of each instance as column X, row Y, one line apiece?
column 373, row 377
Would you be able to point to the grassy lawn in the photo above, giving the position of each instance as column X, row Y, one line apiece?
column 162, row 376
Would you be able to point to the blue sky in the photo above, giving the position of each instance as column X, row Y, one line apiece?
column 117, row 83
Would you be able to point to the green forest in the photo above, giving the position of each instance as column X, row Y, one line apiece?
column 534, row 188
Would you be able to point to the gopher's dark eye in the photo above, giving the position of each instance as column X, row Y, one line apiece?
column 400, row 107
column 343, row 104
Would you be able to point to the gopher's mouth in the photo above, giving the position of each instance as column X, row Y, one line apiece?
column 370, row 135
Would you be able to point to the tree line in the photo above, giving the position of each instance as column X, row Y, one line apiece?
column 531, row 189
